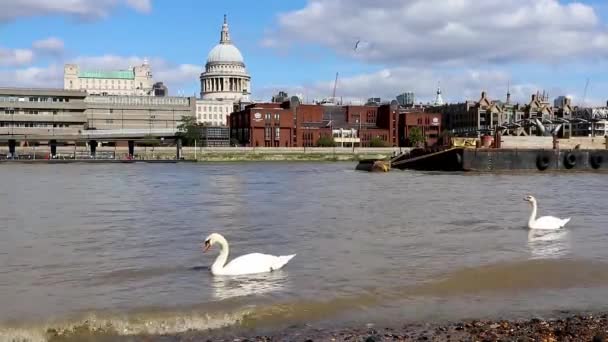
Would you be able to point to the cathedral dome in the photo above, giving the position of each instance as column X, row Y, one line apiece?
column 225, row 53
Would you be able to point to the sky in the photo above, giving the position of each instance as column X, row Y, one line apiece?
column 465, row 46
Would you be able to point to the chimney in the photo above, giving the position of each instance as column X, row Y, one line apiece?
column 533, row 97
column 483, row 94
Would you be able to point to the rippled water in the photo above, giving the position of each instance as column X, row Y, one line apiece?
column 119, row 246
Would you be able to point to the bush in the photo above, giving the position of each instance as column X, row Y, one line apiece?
column 377, row 142
column 416, row 137
column 326, row 141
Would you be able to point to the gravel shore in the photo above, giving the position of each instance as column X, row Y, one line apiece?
column 571, row 328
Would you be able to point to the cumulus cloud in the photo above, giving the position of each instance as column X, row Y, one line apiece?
column 178, row 77
column 37, row 77
column 84, row 9
column 455, row 31
column 49, row 45
column 15, row 57
column 10, row 57
column 456, row 85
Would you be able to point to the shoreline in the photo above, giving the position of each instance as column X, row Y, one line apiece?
column 566, row 326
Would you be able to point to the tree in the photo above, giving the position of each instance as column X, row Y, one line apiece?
column 377, row 142
column 326, row 141
column 189, row 130
column 415, row 136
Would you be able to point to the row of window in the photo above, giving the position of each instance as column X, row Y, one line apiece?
column 213, row 109
column 138, row 100
column 210, row 117
column 34, row 125
column 33, row 99
column 268, row 133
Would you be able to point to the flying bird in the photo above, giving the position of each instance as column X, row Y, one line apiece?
column 357, row 45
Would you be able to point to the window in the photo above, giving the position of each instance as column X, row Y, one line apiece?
column 267, row 116
column 276, row 116
column 267, row 132
column 277, row 133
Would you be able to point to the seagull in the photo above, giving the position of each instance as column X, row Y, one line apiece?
column 357, row 44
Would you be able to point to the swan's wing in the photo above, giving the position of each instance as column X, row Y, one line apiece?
column 550, row 222
column 255, row 263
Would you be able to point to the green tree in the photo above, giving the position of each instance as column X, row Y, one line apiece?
column 189, row 130
column 416, row 137
column 326, row 141
column 377, row 142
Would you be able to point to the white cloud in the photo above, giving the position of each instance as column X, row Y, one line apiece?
column 10, row 57
column 13, row 9
column 459, row 32
column 456, row 85
column 48, row 77
column 49, row 45
column 177, row 77
column 15, row 57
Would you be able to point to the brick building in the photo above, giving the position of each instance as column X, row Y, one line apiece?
column 428, row 123
column 262, row 125
column 302, row 125
column 401, row 120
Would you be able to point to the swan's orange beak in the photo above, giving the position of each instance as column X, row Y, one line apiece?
column 206, row 246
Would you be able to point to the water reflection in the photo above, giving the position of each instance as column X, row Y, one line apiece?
column 548, row 244
column 248, row 285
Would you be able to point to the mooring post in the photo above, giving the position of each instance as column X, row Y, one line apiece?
column 93, row 146
column 131, row 149
column 12, row 147
column 178, row 148
column 53, row 144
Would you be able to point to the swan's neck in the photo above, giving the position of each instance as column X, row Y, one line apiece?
column 533, row 214
column 221, row 259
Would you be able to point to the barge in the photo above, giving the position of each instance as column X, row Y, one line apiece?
column 496, row 160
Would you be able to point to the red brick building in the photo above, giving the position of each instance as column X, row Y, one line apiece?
column 428, row 123
column 262, row 125
column 302, row 125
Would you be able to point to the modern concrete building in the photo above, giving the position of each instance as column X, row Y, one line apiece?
column 136, row 81
column 25, row 111
column 137, row 112
column 406, row 99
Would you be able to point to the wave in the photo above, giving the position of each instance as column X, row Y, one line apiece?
column 509, row 277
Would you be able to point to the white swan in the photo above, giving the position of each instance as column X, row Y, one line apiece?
column 545, row 222
column 246, row 264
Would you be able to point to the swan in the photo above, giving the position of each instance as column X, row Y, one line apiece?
column 245, row 264
column 545, row 222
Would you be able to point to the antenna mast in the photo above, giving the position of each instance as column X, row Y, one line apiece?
column 335, row 85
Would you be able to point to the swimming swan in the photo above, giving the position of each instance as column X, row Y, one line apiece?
column 545, row 222
column 246, row 264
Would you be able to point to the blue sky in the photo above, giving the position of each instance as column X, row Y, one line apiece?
column 298, row 45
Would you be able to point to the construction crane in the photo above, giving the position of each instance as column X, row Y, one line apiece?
column 335, row 86
column 585, row 93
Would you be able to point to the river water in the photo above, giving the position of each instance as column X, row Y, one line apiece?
column 119, row 246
